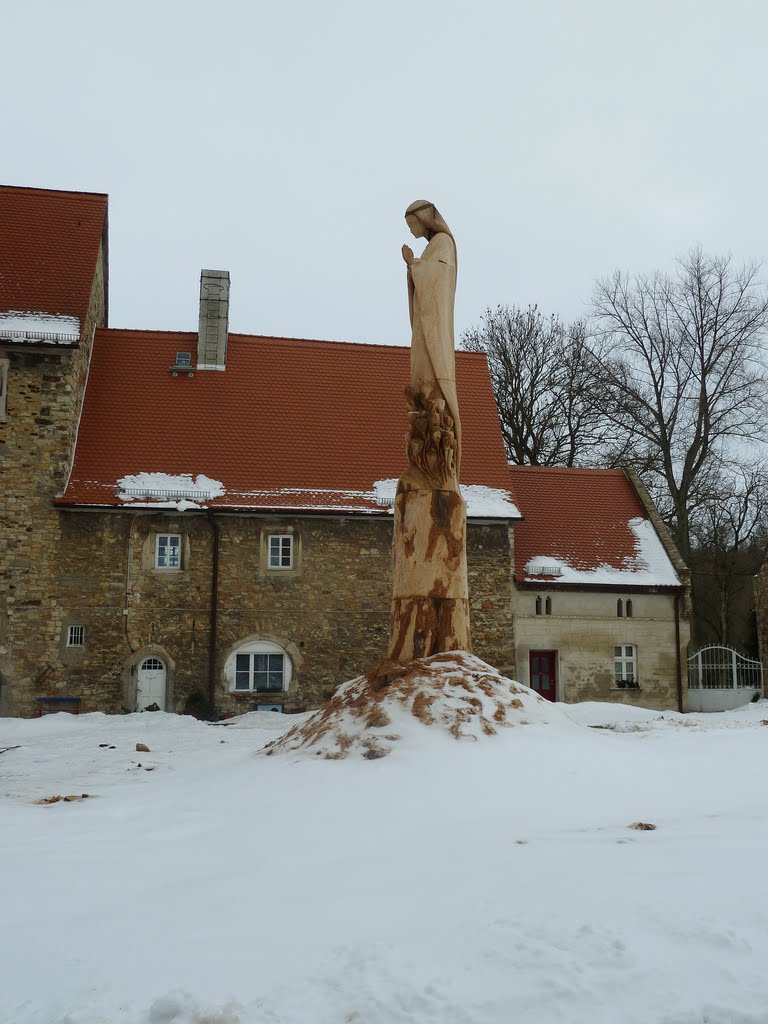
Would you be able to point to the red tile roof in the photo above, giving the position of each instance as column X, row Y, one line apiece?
column 582, row 519
column 288, row 424
column 49, row 247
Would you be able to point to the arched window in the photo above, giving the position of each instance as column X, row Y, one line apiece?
column 629, row 608
column 538, row 606
column 258, row 667
column 620, row 609
column 548, row 606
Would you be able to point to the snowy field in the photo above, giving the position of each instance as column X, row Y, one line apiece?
column 452, row 882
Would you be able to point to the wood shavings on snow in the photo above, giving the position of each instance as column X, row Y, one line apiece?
column 454, row 693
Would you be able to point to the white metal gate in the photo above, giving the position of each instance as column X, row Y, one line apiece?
column 720, row 679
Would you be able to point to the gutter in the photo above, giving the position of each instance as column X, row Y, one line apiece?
column 216, row 534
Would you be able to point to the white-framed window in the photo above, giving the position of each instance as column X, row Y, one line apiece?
column 168, row 551
column 4, row 365
column 280, row 551
column 259, row 667
column 625, row 664
column 75, row 636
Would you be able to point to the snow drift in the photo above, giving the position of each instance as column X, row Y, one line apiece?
column 454, row 693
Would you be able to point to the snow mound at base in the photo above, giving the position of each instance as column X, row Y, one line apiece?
column 453, row 693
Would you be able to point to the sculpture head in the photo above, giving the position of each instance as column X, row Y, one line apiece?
column 424, row 220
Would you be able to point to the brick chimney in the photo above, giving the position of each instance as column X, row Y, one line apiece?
column 214, row 320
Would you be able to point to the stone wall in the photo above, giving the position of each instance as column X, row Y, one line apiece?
column 584, row 628
column 45, row 392
column 329, row 613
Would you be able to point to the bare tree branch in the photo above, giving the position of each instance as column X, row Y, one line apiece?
column 541, row 371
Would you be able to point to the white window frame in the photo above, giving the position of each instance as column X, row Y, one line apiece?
column 257, row 649
column 4, row 374
column 625, row 665
column 285, row 542
column 169, row 546
column 75, row 636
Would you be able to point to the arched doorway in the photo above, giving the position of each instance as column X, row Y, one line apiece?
column 150, row 683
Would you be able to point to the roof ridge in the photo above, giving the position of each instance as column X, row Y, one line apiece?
column 55, row 191
column 270, row 337
column 569, row 469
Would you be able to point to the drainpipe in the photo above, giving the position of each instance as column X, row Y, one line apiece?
column 679, row 660
column 215, row 528
column 127, row 602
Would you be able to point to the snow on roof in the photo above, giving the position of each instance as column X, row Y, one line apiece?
column 585, row 527
column 166, row 485
column 39, row 327
column 290, row 425
column 482, row 502
column 649, row 566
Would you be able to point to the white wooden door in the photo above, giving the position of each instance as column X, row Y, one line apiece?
column 150, row 685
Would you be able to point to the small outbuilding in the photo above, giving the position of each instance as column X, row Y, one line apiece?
column 602, row 597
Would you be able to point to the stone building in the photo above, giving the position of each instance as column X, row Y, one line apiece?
column 202, row 522
column 53, row 295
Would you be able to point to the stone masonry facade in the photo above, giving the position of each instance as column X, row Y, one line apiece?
column 330, row 613
column 45, row 392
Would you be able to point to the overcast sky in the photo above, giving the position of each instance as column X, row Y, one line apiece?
column 282, row 141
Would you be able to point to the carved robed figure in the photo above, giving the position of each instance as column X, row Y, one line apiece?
column 430, row 607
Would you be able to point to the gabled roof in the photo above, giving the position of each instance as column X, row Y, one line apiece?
column 290, row 424
column 585, row 527
column 49, row 247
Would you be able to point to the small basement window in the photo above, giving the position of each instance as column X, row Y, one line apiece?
column 168, row 551
column 75, row 636
column 280, row 551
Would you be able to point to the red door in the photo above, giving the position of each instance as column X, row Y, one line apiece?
column 543, row 673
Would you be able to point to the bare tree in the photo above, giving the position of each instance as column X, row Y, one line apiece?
column 728, row 535
column 541, row 370
column 678, row 359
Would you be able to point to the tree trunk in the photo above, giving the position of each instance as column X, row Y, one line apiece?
column 430, row 606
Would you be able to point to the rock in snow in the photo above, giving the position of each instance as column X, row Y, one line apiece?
column 454, row 693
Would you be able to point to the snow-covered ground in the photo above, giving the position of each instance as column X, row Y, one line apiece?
column 452, row 882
